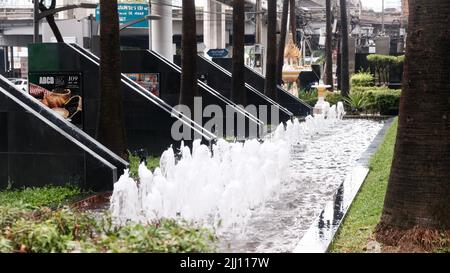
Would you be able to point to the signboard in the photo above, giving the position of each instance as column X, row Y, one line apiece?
column 129, row 12
column 322, row 40
column 150, row 81
column 61, row 92
column 218, row 53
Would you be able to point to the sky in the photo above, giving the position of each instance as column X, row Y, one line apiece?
column 377, row 4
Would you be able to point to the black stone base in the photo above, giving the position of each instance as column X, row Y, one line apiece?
column 38, row 148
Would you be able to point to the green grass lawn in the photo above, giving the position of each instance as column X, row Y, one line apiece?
column 365, row 212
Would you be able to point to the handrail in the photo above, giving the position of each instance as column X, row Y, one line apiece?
column 251, row 88
column 278, row 86
column 149, row 96
column 210, row 90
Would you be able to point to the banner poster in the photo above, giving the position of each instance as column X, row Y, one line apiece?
column 62, row 92
column 150, row 81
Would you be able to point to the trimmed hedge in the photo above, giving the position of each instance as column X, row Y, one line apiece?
column 311, row 97
column 380, row 99
column 369, row 88
column 333, row 97
column 377, row 99
column 362, row 79
column 382, row 64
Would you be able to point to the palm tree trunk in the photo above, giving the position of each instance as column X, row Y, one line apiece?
column 282, row 42
column 270, row 88
column 189, row 88
column 328, row 47
column 111, row 129
column 238, row 82
column 345, row 77
column 293, row 20
column 338, row 65
column 418, row 194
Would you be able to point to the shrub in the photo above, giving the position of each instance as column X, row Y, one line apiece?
column 362, row 79
column 333, row 97
column 357, row 101
column 35, row 197
column 387, row 102
column 310, row 97
column 382, row 65
column 368, row 88
column 380, row 99
column 45, row 231
column 400, row 59
column 135, row 161
column 30, row 227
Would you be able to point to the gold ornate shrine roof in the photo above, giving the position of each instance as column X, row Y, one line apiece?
column 291, row 51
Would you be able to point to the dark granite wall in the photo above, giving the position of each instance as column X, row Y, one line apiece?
column 39, row 148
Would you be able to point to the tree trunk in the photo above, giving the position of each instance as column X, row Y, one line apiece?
column 328, row 47
column 418, row 194
column 111, row 129
column 238, row 83
column 282, row 42
column 51, row 20
column 293, row 20
column 189, row 88
column 345, row 77
column 338, row 64
column 270, row 88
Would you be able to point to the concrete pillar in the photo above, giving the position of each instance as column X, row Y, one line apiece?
column 213, row 25
column 86, row 23
column 5, row 50
column 162, row 30
column 264, row 45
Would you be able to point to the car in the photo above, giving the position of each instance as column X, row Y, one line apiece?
column 13, row 80
column 22, row 84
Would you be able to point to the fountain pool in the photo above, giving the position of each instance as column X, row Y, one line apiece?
column 317, row 168
column 258, row 196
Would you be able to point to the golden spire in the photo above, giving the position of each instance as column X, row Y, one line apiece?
column 291, row 52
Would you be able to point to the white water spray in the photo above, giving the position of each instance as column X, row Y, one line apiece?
column 219, row 186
